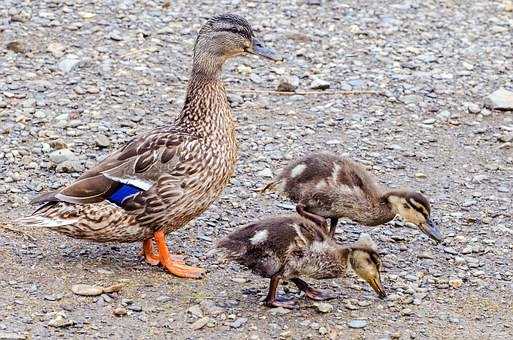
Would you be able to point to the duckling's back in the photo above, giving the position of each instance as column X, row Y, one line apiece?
column 264, row 246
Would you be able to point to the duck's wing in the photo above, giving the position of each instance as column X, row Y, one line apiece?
column 134, row 168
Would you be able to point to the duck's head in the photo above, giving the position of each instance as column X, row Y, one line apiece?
column 366, row 263
column 414, row 208
column 227, row 36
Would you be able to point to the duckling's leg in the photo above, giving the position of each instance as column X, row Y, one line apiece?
column 333, row 226
column 312, row 293
column 151, row 258
column 173, row 266
column 319, row 220
column 272, row 301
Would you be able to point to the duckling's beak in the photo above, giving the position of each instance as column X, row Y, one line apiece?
column 430, row 229
column 258, row 48
column 378, row 288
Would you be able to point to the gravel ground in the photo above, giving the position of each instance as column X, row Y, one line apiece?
column 81, row 78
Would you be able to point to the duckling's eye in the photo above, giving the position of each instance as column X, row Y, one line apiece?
column 406, row 206
column 234, row 30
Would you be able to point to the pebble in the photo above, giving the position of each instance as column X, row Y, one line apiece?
column 60, row 321
column 473, row 108
column 68, row 63
column 456, row 283
column 357, row 324
column 61, row 155
column 265, row 173
column 56, row 49
column 501, row 99
column 239, row 323
column 323, row 307
column 288, row 84
column 102, row 141
column 506, row 137
column 195, row 310
column 319, row 84
column 200, row 323
column 86, row 290
column 119, row 311
column 279, row 311
column 429, row 121
column 68, row 167
column 134, row 307
column 11, row 336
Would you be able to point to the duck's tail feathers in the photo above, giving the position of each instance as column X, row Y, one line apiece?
column 271, row 186
column 45, row 222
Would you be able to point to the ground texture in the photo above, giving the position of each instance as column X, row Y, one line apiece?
column 86, row 76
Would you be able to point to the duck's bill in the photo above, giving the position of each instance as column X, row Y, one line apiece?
column 430, row 229
column 261, row 50
column 378, row 288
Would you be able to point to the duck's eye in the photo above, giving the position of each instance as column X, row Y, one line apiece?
column 406, row 206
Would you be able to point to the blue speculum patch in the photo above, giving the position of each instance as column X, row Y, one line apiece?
column 122, row 193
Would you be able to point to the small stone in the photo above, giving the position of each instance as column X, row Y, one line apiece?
column 239, row 323
column 508, row 6
column 16, row 46
column 210, row 308
column 501, row 99
column 237, row 279
column 323, row 330
column 406, row 312
column 357, row 324
column 195, row 310
column 56, row 49
column 420, row 175
column 288, row 84
column 119, row 311
column 473, row 108
column 429, row 121
column 60, row 321
column 200, row 323
column 134, row 307
column 323, row 307
column 319, row 84
column 87, row 15
column 115, row 35
column 410, row 99
column 102, row 141
column 68, row 63
column 86, row 290
column 506, row 137
column 61, row 155
column 114, row 288
column 68, row 167
column 265, row 173
column 456, row 283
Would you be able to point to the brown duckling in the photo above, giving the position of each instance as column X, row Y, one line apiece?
column 335, row 187
column 290, row 246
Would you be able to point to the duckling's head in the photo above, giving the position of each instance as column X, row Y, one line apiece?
column 366, row 263
column 414, row 208
column 227, row 36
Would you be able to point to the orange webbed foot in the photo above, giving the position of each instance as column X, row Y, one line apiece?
column 175, row 263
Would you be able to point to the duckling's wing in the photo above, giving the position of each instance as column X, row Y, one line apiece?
column 132, row 169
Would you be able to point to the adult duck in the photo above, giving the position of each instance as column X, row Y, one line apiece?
column 165, row 178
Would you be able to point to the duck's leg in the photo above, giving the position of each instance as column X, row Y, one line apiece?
column 312, row 293
column 272, row 301
column 333, row 226
column 174, row 266
column 151, row 258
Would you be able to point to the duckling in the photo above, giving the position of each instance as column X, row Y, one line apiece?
column 290, row 246
column 162, row 179
column 335, row 187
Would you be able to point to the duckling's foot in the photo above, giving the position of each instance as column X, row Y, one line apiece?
column 172, row 262
column 289, row 304
column 312, row 293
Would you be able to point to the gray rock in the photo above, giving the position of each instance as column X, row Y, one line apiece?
column 279, row 311
column 357, row 324
column 501, row 99
column 473, row 108
column 319, row 84
column 11, row 336
column 195, row 310
column 56, row 49
column 69, row 167
column 410, row 99
column 68, row 63
column 62, row 155
column 60, row 321
column 288, row 84
column 429, row 121
column 238, row 323
column 265, row 173
column 119, row 311
column 506, row 137
column 102, row 141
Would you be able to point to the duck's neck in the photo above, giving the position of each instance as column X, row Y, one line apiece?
column 206, row 109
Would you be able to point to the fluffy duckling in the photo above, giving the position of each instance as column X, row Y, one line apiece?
column 335, row 187
column 290, row 246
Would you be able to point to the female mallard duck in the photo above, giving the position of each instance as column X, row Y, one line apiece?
column 336, row 187
column 163, row 179
column 287, row 247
